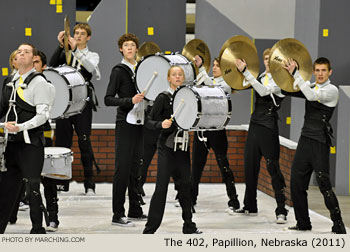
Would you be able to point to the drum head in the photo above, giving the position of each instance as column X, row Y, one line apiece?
column 186, row 116
column 62, row 92
column 56, row 151
column 144, row 72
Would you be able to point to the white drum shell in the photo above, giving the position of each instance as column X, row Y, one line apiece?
column 58, row 163
column 204, row 108
column 71, row 91
column 161, row 63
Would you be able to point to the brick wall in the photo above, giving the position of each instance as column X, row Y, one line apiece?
column 103, row 146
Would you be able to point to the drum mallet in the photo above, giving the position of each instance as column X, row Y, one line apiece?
column 177, row 109
column 155, row 74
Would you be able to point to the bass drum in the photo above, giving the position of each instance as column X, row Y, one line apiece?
column 71, row 91
column 161, row 63
column 203, row 108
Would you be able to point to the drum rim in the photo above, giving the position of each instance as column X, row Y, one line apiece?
column 198, row 104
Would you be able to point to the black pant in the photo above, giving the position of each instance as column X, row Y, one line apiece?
column 149, row 149
column 310, row 156
column 128, row 150
column 22, row 161
column 218, row 141
column 177, row 165
column 262, row 141
column 82, row 126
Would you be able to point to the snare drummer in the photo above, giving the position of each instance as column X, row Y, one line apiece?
column 87, row 64
column 121, row 93
column 217, row 140
column 50, row 184
column 263, row 140
column 25, row 147
column 173, row 159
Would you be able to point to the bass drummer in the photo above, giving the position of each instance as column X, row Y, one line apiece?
column 86, row 62
column 217, row 140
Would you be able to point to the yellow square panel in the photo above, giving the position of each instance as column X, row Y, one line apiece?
column 325, row 32
column 150, row 31
column 5, row 71
column 59, row 9
column 288, row 120
column 332, row 150
column 52, row 2
column 59, row 2
column 167, row 52
column 28, row 32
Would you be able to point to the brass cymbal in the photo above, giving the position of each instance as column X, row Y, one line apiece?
column 147, row 48
column 65, row 40
column 238, row 50
column 281, row 52
column 197, row 47
column 235, row 39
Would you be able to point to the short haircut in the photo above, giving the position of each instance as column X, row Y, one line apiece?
column 83, row 26
column 42, row 57
column 128, row 37
column 217, row 60
column 34, row 50
column 322, row 61
column 174, row 66
column 11, row 58
column 266, row 52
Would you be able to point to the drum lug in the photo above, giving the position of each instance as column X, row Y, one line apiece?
column 51, row 161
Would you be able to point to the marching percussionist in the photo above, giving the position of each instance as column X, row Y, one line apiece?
column 121, row 93
column 263, row 140
column 86, row 62
column 173, row 158
column 26, row 102
column 312, row 154
column 217, row 140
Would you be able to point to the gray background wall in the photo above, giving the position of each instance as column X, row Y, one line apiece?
column 39, row 15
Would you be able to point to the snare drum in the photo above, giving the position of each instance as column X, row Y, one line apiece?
column 71, row 91
column 161, row 63
column 203, row 108
column 58, row 163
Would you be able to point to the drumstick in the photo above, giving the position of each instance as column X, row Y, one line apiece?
column 149, row 83
column 177, row 109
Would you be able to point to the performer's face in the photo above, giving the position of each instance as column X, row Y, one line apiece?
column 216, row 69
column 38, row 64
column 25, row 56
column 266, row 63
column 81, row 36
column 129, row 50
column 322, row 73
column 176, row 77
column 15, row 62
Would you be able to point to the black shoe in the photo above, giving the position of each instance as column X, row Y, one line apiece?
column 123, row 222
column 338, row 227
column 190, row 228
column 40, row 230
column 89, row 185
column 142, row 217
column 244, row 211
column 297, row 228
column 233, row 204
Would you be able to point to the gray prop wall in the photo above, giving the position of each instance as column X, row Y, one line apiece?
column 39, row 15
column 108, row 23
